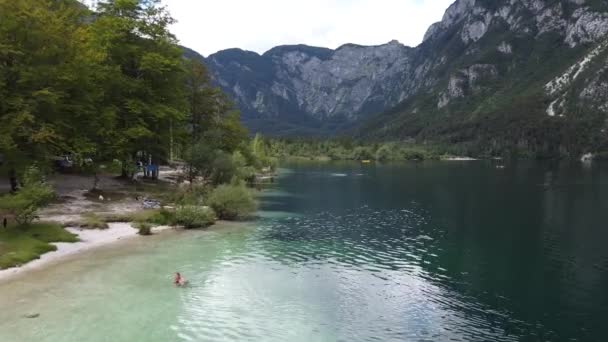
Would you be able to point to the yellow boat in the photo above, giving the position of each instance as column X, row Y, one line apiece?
column 366, row 161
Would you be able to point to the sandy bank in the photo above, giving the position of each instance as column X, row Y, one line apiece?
column 89, row 239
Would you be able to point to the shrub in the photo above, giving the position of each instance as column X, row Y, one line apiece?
column 413, row 154
column 362, row 153
column 385, row 153
column 162, row 217
column 191, row 216
column 242, row 170
column 232, row 201
column 34, row 194
column 223, row 168
column 191, row 195
column 143, row 228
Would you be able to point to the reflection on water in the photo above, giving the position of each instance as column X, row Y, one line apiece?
column 345, row 252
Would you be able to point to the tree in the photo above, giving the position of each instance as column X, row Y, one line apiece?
column 143, row 77
column 199, row 96
column 34, row 194
column 45, row 88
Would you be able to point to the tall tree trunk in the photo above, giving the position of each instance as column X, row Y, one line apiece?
column 124, row 173
column 12, row 176
column 171, row 141
column 95, row 180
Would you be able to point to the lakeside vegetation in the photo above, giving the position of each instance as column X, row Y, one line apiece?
column 19, row 245
column 350, row 149
column 109, row 92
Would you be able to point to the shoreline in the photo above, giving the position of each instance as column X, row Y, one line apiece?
column 89, row 239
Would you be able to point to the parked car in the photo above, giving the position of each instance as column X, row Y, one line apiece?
column 63, row 163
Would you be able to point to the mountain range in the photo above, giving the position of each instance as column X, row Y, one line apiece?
column 493, row 76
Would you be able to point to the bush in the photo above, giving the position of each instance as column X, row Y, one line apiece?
column 233, row 201
column 191, row 194
column 362, row 153
column 223, row 168
column 191, row 216
column 162, row 217
column 143, row 228
column 385, row 153
column 34, row 194
column 242, row 170
column 413, row 154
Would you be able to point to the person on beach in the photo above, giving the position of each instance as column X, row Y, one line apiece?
column 179, row 280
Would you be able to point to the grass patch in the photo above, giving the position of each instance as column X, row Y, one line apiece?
column 21, row 244
column 92, row 221
column 158, row 217
column 118, row 218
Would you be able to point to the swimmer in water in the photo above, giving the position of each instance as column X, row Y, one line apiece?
column 179, row 280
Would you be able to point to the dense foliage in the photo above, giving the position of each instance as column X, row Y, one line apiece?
column 110, row 86
column 34, row 194
column 232, row 201
column 349, row 149
column 191, row 216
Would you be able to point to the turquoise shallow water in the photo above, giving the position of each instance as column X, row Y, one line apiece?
column 347, row 252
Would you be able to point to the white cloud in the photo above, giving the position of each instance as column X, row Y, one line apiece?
column 208, row 26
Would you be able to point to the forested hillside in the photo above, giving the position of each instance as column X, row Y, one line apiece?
column 493, row 77
column 102, row 87
column 524, row 77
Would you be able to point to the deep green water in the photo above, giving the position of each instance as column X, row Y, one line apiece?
column 440, row 251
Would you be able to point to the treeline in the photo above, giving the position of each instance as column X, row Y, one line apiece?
column 108, row 85
column 351, row 149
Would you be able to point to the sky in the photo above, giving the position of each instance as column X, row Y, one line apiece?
column 208, row 26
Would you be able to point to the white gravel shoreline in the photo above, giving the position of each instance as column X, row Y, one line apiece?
column 89, row 239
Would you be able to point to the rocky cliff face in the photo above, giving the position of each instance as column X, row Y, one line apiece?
column 518, row 75
column 570, row 23
column 311, row 87
column 487, row 69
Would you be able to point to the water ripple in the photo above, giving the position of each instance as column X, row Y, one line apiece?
column 355, row 270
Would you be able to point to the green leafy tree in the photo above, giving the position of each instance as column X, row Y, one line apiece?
column 46, row 90
column 143, row 77
column 34, row 194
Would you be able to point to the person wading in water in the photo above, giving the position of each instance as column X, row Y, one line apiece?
column 179, row 280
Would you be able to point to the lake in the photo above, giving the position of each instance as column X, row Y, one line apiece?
column 433, row 251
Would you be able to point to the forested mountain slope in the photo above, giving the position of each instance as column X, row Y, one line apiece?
column 492, row 76
column 510, row 75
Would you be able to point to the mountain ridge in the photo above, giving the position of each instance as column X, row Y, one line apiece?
column 485, row 65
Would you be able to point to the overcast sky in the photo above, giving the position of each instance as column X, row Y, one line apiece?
column 208, row 26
